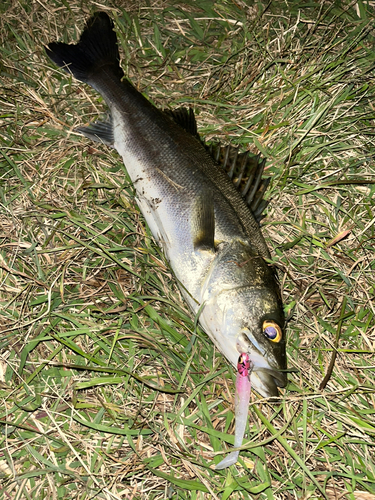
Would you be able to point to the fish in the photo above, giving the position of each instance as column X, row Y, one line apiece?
column 205, row 218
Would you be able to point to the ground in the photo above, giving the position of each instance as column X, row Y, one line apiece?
column 110, row 390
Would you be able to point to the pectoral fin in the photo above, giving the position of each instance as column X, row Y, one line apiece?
column 203, row 222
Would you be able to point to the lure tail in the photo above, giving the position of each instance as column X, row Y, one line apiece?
column 242, row 398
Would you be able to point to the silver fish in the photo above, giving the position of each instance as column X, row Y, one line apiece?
column 195, row 212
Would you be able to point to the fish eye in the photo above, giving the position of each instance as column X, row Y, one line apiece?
column 272, row 331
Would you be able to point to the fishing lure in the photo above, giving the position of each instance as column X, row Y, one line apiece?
column 242, row 398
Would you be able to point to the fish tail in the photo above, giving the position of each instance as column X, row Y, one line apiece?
column 96, row 49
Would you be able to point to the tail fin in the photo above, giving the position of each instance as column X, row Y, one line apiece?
column 96, row 48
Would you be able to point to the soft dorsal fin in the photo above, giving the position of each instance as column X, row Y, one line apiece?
column 244, row 169
column 185, row 118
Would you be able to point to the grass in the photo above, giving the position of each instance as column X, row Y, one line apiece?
column 109, row 389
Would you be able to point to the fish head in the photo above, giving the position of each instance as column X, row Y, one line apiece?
column 262, row 337
column 243, row 313
column 259, row 331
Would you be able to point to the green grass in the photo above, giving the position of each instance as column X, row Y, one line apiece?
column 109, row 389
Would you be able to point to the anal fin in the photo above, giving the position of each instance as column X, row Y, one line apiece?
column 98, row 132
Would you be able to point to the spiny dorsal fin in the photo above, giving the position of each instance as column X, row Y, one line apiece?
column 244, row 169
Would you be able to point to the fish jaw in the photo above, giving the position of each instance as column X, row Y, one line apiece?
column 265, row 376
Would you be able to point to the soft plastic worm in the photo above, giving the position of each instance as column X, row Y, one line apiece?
column 242, row 398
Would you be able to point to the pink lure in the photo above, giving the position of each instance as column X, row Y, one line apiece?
column 242, row 398
column 244, row 365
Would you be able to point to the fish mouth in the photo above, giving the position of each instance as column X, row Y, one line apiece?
column 268, row 370
column 267, row 381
